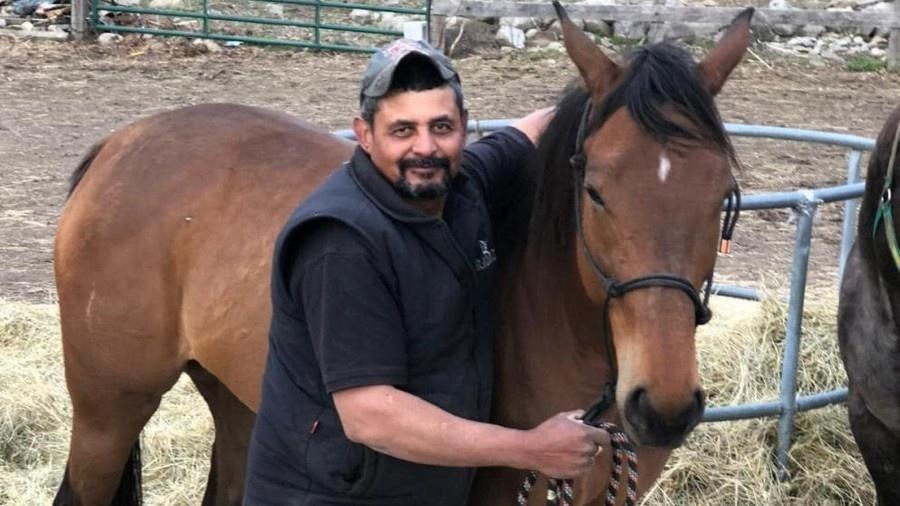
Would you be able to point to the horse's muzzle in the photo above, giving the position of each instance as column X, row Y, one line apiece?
column 649, row 427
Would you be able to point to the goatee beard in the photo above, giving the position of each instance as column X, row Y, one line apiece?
column 426, row 191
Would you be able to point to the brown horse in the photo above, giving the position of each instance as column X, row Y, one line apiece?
column 869, row 321
column 163, row 256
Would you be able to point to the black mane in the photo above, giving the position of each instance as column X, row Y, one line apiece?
column 660, row 80
column 875, row 174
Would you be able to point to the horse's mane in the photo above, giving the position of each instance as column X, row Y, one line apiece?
column 878, row 164
column 660, row 81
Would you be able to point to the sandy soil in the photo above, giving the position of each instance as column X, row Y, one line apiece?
column 58, row 99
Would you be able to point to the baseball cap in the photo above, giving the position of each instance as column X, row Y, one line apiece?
column 376, row 80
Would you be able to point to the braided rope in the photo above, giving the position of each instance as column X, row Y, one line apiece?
column 561, row 493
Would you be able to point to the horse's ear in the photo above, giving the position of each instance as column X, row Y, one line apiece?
column 596, row 69
column 727, row 53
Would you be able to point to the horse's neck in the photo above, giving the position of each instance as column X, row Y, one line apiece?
column 551, row 351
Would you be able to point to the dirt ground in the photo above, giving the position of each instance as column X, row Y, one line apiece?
column 58, row 99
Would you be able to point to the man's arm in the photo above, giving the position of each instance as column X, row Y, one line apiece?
column 404, row 426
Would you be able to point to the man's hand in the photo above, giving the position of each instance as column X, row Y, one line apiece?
column 534, row 124
column 564, row 446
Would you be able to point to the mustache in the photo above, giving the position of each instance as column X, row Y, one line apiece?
column 426, row 162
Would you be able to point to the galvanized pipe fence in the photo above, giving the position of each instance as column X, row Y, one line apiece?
column 320, row 21
column 804, row 204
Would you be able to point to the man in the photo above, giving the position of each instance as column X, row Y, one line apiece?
column 378, row 381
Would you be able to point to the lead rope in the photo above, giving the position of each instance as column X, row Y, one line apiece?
column 560, row 492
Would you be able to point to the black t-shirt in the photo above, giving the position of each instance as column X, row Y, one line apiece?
column 369, row 291
column 354, row 321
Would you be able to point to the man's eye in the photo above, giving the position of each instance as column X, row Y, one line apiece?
column 402, row 131
column 443, row 128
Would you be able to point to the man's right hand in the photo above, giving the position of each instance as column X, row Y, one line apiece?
column 564, row 446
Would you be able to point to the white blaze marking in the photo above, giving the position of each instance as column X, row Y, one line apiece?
column 664, row 167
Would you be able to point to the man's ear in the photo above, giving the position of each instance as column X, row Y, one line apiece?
column 363, row 131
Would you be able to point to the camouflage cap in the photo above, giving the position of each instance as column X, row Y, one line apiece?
column 376, row 80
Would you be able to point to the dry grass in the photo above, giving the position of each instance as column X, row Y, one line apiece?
column 732, row 463
column 35, row 416
column 722, row 464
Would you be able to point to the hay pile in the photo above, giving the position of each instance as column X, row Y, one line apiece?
column 35, row 416
column 721, row 464
column 731, row 463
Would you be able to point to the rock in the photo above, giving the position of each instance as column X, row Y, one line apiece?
column 363, row 16
column 775, row 47
column 762, row 33
column 786, row 30
column 207, row 46
column 392, row 21
column 817, row 61
column 551, row 34
column 688, row 33
column 274, row 10
column 556, row 46
column 877, row 52
column 167, row 4
column 512, row 36
column 631, row 30
column 831, row 54
column 108, row 39
column 779, row 4
column 878, row 41
column 578, row 22
column 812, row 30
column 529, row 34
column 2, row 22
column 601, row 28
column 26, row 26
column 477, row 37
column 805, row 42
column 523, row 24
column 885, row 7
column 128, row 3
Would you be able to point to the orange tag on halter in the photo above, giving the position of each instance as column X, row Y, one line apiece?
column 725, row 247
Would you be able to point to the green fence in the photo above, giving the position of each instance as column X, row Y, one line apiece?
column 300, row 23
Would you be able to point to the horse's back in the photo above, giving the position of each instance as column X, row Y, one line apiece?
column 164, row 248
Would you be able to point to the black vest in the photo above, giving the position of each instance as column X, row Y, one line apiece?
column 441, row 273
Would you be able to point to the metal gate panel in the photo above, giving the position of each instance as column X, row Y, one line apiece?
column 313, row 24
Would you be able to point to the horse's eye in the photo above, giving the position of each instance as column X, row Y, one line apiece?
column 594, row 195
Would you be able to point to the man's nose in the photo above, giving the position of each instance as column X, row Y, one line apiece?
column 424, row 144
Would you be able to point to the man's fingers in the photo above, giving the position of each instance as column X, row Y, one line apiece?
column 576, row 415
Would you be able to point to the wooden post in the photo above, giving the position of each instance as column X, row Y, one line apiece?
column 79, row 18
column 893, row 53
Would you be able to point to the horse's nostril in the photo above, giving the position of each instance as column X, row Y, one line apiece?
column 638, row 402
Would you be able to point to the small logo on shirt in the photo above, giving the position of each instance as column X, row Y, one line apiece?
column 488, row 256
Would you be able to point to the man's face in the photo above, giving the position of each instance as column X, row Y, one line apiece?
column 416, row 141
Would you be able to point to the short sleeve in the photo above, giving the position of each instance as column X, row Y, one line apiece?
column 497, row 163
column 351, row 314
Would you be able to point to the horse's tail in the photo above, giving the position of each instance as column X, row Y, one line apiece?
column 129, row 493
column 83, row 166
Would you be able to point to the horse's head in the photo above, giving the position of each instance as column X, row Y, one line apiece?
column 655, row 165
